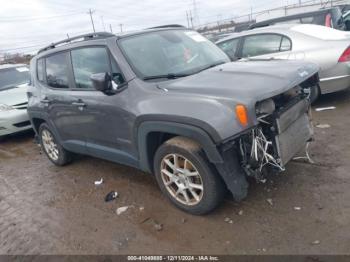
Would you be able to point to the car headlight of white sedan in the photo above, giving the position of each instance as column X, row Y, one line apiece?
column 4, row 108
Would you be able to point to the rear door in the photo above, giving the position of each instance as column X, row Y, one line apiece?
column 265, row 46
column 58, row 102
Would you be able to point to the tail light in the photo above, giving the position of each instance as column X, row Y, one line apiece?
column 328, row 21
column 345, row 57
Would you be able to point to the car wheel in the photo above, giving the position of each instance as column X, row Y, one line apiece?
column 315, row 93
column 53, row 150
column 185, row 176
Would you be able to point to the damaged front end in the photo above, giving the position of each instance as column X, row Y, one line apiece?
column 283, row 129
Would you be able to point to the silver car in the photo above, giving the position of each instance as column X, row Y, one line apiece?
column 14, row 81
column 327, row 47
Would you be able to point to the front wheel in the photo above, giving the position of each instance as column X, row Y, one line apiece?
column 53, row 150
column 185, row 176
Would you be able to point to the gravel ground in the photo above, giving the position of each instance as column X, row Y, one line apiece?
column 51, row 210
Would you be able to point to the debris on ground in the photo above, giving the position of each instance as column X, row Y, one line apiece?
column 316, row 242
column 111, row 196
column 270, row 201
column 141, row 208
column 322, row 126
column 297, row 208
column 228, row 220
column 325, row 108
column 157, row 226
column 183, row 220
column 240, row 213
column 99, row 182
column 121, row 210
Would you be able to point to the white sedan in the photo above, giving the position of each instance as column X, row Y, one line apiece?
column 14, row 80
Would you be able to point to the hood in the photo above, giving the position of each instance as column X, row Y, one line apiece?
column 14, row 96
column 246, row 81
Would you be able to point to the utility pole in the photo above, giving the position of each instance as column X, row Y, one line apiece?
column 299, row 2
column 188, row 22
column 92, row 20
column 110, row 28
column 103, row 23
column 121, row 28
column 191, row 19
column 195, row 12
column 251, row 14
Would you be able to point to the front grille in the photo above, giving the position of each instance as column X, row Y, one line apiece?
column 21, row 106
column 22, row 124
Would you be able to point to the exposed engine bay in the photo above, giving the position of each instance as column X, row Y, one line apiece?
column 284, row 129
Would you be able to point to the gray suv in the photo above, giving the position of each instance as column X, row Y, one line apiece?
column 169, row 102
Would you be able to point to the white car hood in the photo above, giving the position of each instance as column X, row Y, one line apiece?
column 14, row 96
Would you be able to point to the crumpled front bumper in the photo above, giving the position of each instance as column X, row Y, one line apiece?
column 14, row 121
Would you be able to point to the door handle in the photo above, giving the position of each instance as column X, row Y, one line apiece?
column 45, row 101
column 79, row 104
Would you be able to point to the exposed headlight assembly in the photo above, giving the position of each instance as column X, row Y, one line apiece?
column 4, row 108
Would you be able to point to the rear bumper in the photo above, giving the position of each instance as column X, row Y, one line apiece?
column 14, row 121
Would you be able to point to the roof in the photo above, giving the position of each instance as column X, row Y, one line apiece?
column 290, row 17
column 311, row 30
column 271, row 29
column 6, row 66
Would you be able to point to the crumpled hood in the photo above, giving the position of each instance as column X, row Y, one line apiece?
column 14, row 96
column 245, row 82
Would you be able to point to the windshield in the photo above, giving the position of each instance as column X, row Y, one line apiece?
column 173, row 53
column 12, row 77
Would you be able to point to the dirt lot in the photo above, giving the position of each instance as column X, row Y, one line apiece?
column 50, row 210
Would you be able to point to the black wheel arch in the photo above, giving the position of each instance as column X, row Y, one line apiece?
column 150, row 134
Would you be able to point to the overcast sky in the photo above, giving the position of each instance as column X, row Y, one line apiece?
column 27, row 25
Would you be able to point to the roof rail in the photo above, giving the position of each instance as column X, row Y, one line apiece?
column 167, row 26
column 84, row 37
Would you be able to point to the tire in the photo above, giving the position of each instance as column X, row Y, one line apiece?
column 64, row 157
column 191, row 160
column 315, row 93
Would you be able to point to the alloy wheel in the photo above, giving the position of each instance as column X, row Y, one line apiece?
column 49, row 144
column 182, row 179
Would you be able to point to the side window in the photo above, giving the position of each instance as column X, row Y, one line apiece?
column 256, row 45
column 40, row 70
column 57, row 70
column 230, row 47
column 88, row 61
column 286, row 44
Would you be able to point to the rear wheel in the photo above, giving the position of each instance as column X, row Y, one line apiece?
column 53, row 150
column 186, row 178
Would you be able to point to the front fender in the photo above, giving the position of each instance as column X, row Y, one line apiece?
column 193, row 132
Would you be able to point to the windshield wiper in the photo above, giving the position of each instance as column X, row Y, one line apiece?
column 167, row 76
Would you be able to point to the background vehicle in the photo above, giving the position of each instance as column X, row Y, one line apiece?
column 331, row 17
column 167, row 101
column 14, row 81
column 327, row 47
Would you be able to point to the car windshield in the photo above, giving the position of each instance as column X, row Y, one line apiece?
column 12, row 77
column 170, row 54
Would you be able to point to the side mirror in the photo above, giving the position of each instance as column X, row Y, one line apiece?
column 101, row 81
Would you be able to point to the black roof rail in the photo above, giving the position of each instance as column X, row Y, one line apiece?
column 167, row 26
column 84, row 37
